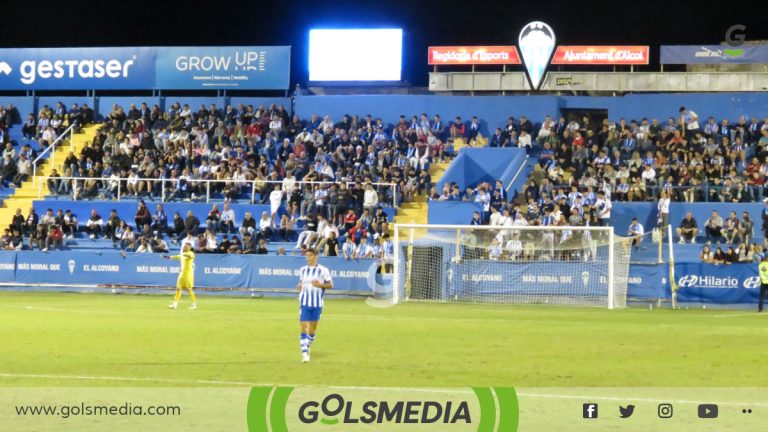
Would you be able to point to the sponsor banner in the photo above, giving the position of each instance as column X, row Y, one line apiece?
column 127, row 68
column 648, row 282
column 223, row 67
column 713, row 54
column 708, row 283
column 375, row 409
column 77, row 68
column 601, row 55
column 473, row 55
column 243, row 272
column 493, row 278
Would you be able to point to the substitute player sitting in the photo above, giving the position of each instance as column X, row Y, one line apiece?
column 186, row 279
column 314, row 280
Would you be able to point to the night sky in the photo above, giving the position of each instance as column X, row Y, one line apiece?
column 286, row 22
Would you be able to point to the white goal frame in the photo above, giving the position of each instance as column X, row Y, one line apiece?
column 411, row 228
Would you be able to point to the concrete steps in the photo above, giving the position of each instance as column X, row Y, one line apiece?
column 31, row 189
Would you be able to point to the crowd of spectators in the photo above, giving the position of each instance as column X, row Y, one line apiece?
column 355, row 237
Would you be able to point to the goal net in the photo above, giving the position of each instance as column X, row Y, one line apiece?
column 573, row 266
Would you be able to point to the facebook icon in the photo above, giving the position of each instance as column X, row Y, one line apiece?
column 589, row 410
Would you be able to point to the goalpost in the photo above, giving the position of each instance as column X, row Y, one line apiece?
column 571, row 266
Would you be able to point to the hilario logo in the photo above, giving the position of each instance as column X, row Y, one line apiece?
column 536, row 42
column 284, row 409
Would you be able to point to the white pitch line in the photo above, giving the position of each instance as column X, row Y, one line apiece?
column 219, row 382
column 632, row 399
column 735, row 315
column 130, row 379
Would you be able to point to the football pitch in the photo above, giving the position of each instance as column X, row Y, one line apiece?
column 60, row 339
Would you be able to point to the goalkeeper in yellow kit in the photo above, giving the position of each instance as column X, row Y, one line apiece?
column 186, row 279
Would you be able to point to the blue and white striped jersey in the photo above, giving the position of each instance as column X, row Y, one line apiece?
column 311, row 296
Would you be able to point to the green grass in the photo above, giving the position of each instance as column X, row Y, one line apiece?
column 60, row 336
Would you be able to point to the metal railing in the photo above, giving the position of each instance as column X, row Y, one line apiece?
column 700, row 193
column 166, row 191
column 52, row 149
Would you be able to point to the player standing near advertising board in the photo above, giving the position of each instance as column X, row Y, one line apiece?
column 314, row 280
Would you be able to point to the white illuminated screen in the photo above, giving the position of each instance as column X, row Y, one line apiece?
column 355, row 55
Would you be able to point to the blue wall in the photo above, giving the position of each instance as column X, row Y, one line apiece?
column 24, row 104
column 475, row 165
column 622, row 214
column 494, row 110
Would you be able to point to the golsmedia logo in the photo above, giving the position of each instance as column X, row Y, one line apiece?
column 284, row 409
column 334, row 406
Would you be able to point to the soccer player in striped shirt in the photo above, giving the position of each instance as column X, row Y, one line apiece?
column 314, row 280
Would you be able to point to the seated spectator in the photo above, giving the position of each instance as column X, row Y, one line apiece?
column 236, row 247
column 227, row 219
column 94, row 225
column 514, row 246
column 744, row 253
column 143, row 217
column 688, row 229
column 144, row 246
column 113, row 225
column 5, row 240
column 160, row 220
column 706, row 255
column 348, row 249
column 55, row 238
column 69, row 224
column 210, row 244
column 287, row 227
column 38, row 238
column 23, row 170
column 265, row 227
column 309, row 234
column 190, row 239
column 719, row 256
column 249, row 225
column 213, row 219
column 331, row 246
column 159, row 245
column 363, row 250
column 249, row 244
column 191, row 223
column 18, row 222
column 128, row 239
column 713, row 227
column 636, row 232
column 731, row 257
column 731, row 228
column 262, row 248
column 48, row 219
column 178, row 231
column 17, row 240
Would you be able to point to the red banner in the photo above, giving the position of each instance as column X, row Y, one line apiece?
column 473, row 55
column 601, row 55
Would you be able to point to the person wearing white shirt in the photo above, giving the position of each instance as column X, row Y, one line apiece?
column 370, row 198
column 662, row 208
column 494, row 250
column 289, row 183
column 514, row 247
column 265, row 226
column 689, row 119
column 363, row 250
column 524, row 140
column 495, row 216
column 636, row 232
column 649, row 175
column 603, row 206
column 228, row 218
column 275, row 199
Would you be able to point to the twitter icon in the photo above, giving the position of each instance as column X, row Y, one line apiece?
column 626, row 412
